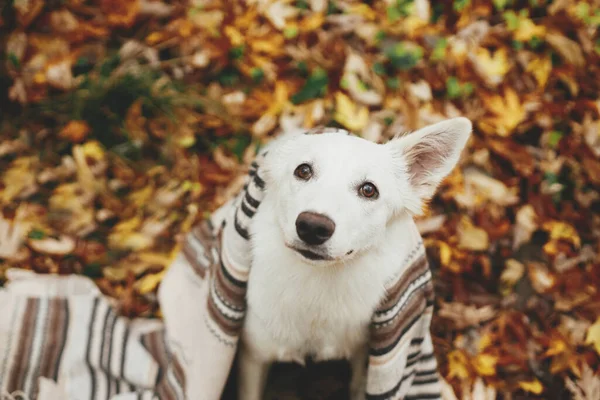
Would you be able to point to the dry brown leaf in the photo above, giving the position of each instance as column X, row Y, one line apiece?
column 567, row 48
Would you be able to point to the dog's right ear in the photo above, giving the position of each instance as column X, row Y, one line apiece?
column 425, row 157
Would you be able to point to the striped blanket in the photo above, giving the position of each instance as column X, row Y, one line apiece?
column 60, row 339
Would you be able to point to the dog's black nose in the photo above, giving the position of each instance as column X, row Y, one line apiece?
column 314, row 228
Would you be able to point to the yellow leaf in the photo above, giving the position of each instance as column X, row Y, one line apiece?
column 540, row 68
column 458, row 365
column 280, row 100
column 19, row 179
column 362, row 9
column 492, row 67
column 349, row 114
column 235, row 37
column 557, row 346
column 508, row 113
column 593, row 335
column 313, row 22
column 445, row 253
column 533, row 386
column 128, row 225
column 485, row 341
column 130, row 240
column 562, row 231
column 94, row 150
column 148, row 283
column 526, row 30
column 485, row 364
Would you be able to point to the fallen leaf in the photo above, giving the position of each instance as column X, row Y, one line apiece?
column 567, row 48
column 508, row 113
column 540, row 67
column 593, row 335
column 491, row 66
column 349, row 114
column 485, row 364
column 458, row 365
column 471, row 237
column 75, row 131
column 534, row 386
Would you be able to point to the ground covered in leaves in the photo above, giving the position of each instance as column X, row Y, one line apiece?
column 124, row 122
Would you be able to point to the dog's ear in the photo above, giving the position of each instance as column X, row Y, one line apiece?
column 428, row 155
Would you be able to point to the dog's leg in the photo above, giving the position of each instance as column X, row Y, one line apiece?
column 358, row 382
column 252, row 375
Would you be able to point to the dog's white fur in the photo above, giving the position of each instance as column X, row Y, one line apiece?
column 299, row 307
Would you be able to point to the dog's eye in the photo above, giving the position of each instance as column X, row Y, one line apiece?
column 368, row 190
column 303, row 171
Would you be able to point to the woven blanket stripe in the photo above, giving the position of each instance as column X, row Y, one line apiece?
column 83, row 343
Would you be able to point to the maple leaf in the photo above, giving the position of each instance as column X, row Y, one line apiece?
column 491, row 66
column 585, row 388
column 508, row 113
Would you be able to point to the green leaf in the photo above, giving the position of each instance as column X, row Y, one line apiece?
column 500, row 4
column 257, row 74
column 453, row 87
column 393, row 83
column 36, row 234
column 315, row 86
column 235, row 53
column 302, row 4
column 468, row 89
column 303, row 68
column 460, row 5
column 93, row 270
column 554, row 138
column 404, row 58
column 439, row 51
column 512, row 20
column 291, row 32
column 379, row 68
column 436, row 12
column 12, row 57
column 536, row 42
column 517, row 45
column 229, row 76
column 393, row 14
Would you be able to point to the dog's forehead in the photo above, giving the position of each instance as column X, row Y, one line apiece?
column 340, row 143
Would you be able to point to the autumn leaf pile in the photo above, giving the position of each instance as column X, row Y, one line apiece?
column 124, row 122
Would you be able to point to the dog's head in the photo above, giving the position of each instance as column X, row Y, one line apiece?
column 334, row 193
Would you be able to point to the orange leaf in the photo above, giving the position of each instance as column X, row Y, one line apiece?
column 75, row 131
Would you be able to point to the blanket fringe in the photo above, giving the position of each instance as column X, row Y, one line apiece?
column 16, row 395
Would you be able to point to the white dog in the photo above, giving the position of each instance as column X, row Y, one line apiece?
column 325, row 238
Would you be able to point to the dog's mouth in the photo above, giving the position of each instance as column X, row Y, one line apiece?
column 311, row 255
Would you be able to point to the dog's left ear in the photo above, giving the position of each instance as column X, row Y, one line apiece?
column 428, row 155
